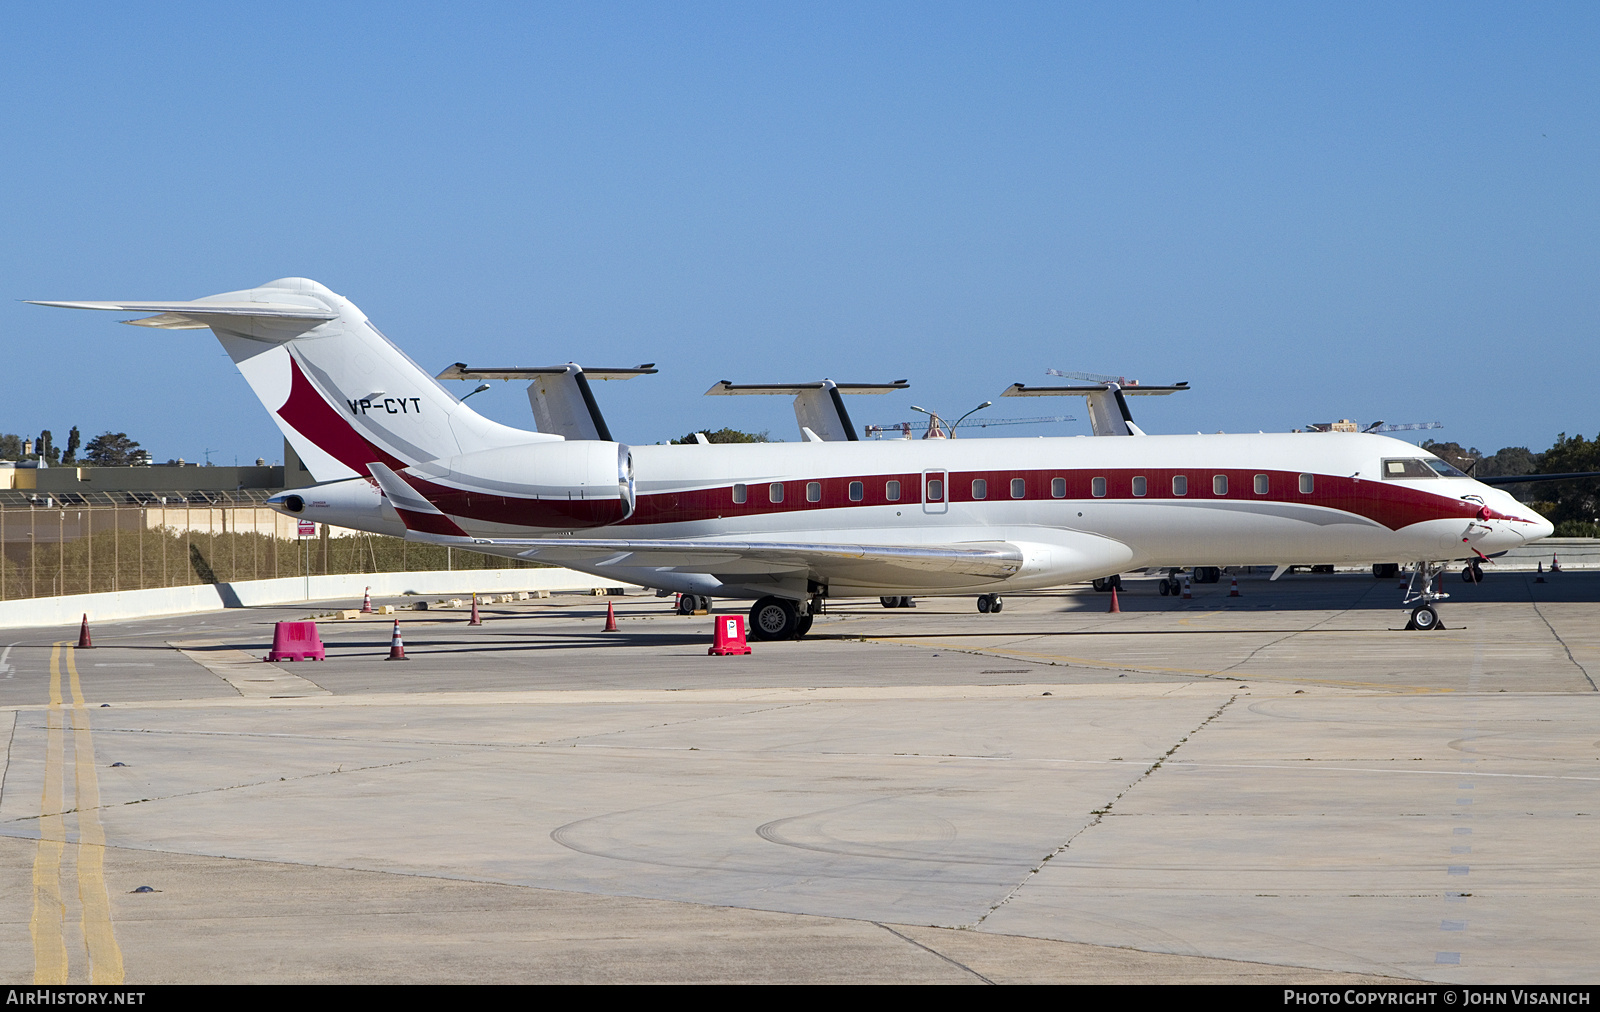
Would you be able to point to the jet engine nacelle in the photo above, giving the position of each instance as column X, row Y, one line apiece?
column 355, row 503
column 566, row 485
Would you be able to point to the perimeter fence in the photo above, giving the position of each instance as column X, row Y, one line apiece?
column 72, row 543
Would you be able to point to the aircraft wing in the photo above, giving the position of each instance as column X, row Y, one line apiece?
column 984, row 559
column 1519, row 479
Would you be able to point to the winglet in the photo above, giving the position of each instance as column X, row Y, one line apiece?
column 416, row 512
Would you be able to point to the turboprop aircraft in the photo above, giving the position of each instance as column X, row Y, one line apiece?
column 792, row 524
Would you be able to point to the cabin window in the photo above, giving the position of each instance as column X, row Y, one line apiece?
column 1261, row 484
column 980, row 488
column 1307, row 484
column 1058, row 488
column 891, row 491
column 1097, row 488
column 857, row 491
column 813, row 491
column 1180, row 484
column 1219, row 484
column 741, row 493
column 775, row 492
column 1019, row 488
column 1139, row 485
column 1407, row 469
column 935, row 490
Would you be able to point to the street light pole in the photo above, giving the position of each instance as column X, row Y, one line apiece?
column 937, row 421
column 963, row 418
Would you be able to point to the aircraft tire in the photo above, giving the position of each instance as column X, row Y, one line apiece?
column 983, row 603
column 908, row 602
column 1424, row 618
column 996, row 604
column 686, row 604
column 890, row 602
column 774, row 618
column 803, row 626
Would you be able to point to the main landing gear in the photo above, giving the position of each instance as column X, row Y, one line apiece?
column 778, row 618
column 898, row 602
column 1422, row 590
column 688, row 604
column 991, row 604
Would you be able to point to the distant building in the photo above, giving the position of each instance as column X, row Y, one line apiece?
column 25, row 483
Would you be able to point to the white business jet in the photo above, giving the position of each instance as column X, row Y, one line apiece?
column 791, row 524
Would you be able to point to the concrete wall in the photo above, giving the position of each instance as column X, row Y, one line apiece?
column 61, row 611
column 1574, row 553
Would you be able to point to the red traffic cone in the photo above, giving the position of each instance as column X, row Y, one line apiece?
column 397, row 647
column 1555, row 564
column 84, row 643
column 1233, row 591
column 1540, row 577
column 366, row 602
column 475, row 620
column 611, row 617
column 1188, row 595
column 1115, row 609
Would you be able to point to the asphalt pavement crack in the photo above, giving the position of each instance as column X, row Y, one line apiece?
column 1100, row 813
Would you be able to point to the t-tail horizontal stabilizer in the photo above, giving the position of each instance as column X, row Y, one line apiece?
column 563, row 404
column 1108, row 409
column 340, row 392
column 818, row 407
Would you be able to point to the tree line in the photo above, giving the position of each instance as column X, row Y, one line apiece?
column 1573, row 506
column 109, row 449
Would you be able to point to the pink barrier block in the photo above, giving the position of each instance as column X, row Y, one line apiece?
column 296, row 641
column 730, row 636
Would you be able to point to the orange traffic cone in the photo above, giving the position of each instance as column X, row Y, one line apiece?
column 366, row 602
column 475, row 620
column 1115, row 609
column 397, row 647
column 611, row 617
column 84, row 642
column 1233, row 591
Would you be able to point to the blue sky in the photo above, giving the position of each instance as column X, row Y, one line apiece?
column 1306, row 211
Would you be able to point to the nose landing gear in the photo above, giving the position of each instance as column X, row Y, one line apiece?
column 1422, row 592
column 990, row 604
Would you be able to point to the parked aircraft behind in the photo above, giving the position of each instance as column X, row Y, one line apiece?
column 791, row 524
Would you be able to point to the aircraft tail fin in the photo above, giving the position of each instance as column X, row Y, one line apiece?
column 342, row 394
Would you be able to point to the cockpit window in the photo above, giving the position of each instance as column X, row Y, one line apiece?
column 1445, row 468
column 1408, row 469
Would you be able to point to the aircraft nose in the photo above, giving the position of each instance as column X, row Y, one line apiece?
column 1540, row 528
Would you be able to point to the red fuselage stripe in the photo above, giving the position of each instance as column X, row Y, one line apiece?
column 313, row 417
column 1391, row 504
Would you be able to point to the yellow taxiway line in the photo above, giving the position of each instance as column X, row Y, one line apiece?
column 49, row 908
